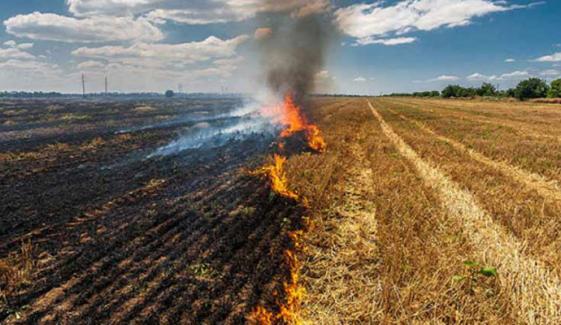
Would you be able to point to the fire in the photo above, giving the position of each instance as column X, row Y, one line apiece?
column 292, row 118
column 293, row 291
column 295, row 121
column 315, row 140
column 261, row 315
column 277, row 177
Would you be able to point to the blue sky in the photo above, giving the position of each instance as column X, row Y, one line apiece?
column 205, row 45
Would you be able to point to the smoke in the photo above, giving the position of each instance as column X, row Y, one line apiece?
column 293, row 41
column 218, row 130
column 293, row 48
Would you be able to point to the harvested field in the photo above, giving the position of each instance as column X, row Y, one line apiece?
column 419, row 211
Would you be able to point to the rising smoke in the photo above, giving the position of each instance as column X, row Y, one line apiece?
column 293, row 49
column 293, row 40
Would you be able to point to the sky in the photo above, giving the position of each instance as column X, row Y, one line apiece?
column 213, row 45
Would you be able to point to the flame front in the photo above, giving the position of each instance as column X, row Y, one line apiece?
column 291, row 117
column 295, row 121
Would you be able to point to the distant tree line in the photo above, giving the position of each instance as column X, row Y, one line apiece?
column 526, row 89
column 25, row 94
column 148, row 95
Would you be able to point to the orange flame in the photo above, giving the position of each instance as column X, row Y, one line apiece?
column 260, row 315
column 293, row 291
column 295, row 121
column 277, row 176
column 315, row 140
column 292, row 118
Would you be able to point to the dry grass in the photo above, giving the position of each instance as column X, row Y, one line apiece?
column 546, row 188
column 535, row 291
column 525, row 137
column 530, row 214
column 15, row 271
column 381, row 250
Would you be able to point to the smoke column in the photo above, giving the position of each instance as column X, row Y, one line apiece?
column 293, row 50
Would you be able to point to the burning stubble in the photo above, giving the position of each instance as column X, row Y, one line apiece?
column 293, row 54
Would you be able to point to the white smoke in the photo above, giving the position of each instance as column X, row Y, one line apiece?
column 220, row 129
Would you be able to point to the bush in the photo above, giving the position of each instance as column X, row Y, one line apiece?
column 487, row 89
column 531, row 88
column 555, row 89
column 450, row 91
column 458, row 91
column 169, row 93
column 427, row 94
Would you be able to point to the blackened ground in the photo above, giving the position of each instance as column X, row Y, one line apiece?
column 118, row 238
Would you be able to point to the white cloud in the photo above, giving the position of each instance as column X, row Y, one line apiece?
column 446, row 78
column 25, row 46
column 22, row 46
column 52, row 27
column 10, row 43
column 510, row 60
column 515, row 75
column 372, row 21
column 165, row 54
column 555, row 57
column 479, row 77
column 359, row 79
column 550, row 73
column 194, row 11
column 439, row 78
column 385, row 41
column 15, row 53
column 91, row 65
column 16, row 64
column 230, row 61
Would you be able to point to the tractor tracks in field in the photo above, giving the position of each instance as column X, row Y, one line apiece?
column 532, row 287
column 546, row 188
column 347, row 251
column 520, row 127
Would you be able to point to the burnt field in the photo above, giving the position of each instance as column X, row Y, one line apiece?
column 137, row 211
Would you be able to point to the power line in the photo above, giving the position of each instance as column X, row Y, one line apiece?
column 83, row 85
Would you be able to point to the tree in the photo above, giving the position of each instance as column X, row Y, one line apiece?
column 458, row 91
column 511, row 92
column 487, row 89
column 531, row 88
column 170, row 93
column 555, row 89
column 451, row 91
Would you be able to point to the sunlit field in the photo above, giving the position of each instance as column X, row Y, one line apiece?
column 413, row 210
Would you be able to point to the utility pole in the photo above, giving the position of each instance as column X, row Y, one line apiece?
column 106, row 86
column 83, row 85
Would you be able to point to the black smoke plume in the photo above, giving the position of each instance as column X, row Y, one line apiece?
column 294, row 51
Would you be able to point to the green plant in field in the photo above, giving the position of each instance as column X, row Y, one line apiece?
column 476, row 277
column 476, row 270
column 202, row 270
